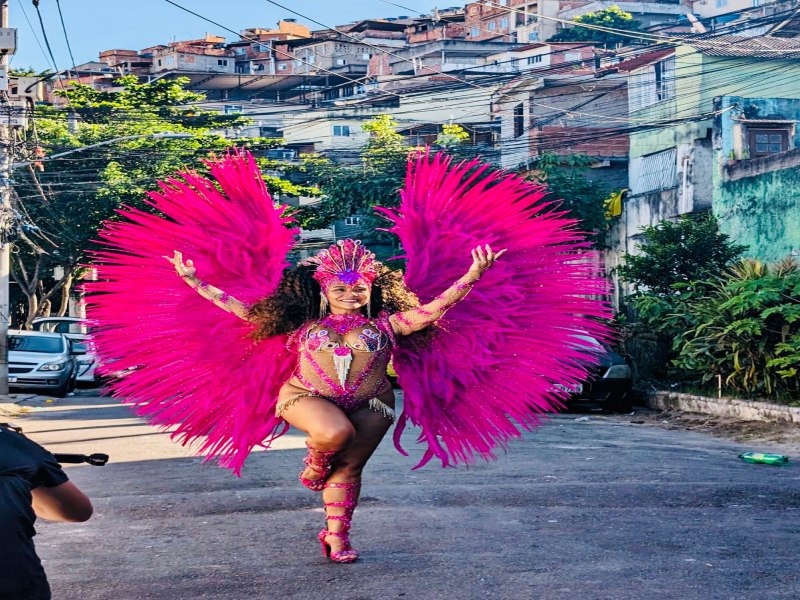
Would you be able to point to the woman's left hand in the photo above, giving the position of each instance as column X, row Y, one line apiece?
column 483, row 257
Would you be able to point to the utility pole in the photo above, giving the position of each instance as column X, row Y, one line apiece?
column 6, row 146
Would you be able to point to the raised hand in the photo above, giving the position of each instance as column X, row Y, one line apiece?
column 483, row 257
column 184, row 269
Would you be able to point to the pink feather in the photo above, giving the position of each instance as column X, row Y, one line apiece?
column 199, row 370
column 494, row 367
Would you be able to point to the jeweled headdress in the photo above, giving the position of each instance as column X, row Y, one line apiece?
column 346, row 261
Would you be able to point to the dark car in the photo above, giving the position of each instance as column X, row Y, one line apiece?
column 609, row 385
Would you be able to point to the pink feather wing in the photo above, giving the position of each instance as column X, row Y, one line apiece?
column 495, row 365
column 195, row 366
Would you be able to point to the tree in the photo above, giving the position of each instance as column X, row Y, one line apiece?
column 612, row 17
column 60, row 204
column 349, row 190
column 567, row 182
column 679, row 252
column 354, row 190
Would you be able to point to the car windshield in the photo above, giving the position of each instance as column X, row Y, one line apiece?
column 61, row 326
column 25, row 343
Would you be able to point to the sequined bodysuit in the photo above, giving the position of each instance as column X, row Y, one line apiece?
column 342, row 358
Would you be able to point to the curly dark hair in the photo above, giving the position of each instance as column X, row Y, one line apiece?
column 297, row 300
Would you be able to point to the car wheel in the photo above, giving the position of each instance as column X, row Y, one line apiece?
column 63, row 389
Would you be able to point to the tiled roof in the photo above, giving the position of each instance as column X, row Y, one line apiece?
column 641, row 60
column 764, row 46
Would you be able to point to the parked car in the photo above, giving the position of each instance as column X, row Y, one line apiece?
column 609, row 385
column 77, row 330
column 39, row 361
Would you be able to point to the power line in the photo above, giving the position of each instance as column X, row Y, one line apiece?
column 66, row 37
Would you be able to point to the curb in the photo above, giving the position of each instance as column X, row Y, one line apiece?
column 743, row 410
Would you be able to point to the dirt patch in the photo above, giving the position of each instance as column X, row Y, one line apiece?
column 757, row 435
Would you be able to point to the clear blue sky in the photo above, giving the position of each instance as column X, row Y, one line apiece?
column 96, row 25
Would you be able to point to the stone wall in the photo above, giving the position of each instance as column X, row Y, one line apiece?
column 725, row 407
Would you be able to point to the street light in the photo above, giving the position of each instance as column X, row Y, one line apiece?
column 6, row 166
column 163, row 135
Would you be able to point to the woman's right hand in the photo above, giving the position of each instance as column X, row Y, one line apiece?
column 184, row 269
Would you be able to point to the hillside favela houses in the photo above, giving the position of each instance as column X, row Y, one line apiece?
column 682, row 110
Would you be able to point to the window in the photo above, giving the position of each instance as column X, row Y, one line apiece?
column 159, row 62
column 664, row 77
column 533, row 36
column 48, row 345
column 767, row 141
column 474, row 32
column 519, row 120
column 491, row 26
column 366, row 56
column 651, row 84
column 532, row 60
column 504, row 23
column 233, row 109
column 352, row 220
column 721, row 3
column 657, row 171
column 283, row 67
column 341, row 130
column 222, row 62
column 341, row 61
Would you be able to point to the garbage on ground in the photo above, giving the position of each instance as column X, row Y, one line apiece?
column 766, row 459
column 582, row 419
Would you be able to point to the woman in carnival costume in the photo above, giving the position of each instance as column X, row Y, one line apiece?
column 308, row 346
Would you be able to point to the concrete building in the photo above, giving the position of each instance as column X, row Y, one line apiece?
column 756, row 155
column 680, row 149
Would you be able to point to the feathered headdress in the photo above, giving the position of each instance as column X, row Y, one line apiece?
column 346, row 261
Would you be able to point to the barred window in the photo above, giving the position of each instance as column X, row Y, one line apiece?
column 657, row 171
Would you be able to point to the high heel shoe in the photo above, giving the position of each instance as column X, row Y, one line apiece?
column 347, row 554
column 320, row 461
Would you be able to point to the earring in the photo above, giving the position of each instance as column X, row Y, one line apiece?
column 323, row 305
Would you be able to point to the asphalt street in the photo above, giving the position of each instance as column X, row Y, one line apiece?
column 585, row 508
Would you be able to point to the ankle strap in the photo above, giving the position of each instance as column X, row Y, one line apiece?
column 321, row 452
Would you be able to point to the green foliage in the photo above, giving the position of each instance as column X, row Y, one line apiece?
column 612, row 17
column 63, row 202
column 690, row 249
column 566, row 180
column 451, row 135
column 354, row 189
column 744, row 327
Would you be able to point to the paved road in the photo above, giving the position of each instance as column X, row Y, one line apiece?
column 580, row 510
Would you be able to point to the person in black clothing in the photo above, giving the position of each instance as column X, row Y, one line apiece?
column 32, row 484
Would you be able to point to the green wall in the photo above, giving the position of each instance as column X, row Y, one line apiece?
column 763, row 212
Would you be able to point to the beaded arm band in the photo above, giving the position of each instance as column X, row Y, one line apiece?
column 421, row 316
column 218, row 297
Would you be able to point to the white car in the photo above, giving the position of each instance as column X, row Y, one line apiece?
column 76, row 330
column 42, row 362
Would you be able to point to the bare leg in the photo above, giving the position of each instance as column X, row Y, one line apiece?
column 370, row 427
column 327, row 426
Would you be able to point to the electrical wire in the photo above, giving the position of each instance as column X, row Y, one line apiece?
column 66, row 37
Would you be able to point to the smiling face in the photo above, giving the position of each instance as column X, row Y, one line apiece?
column 344, row 298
